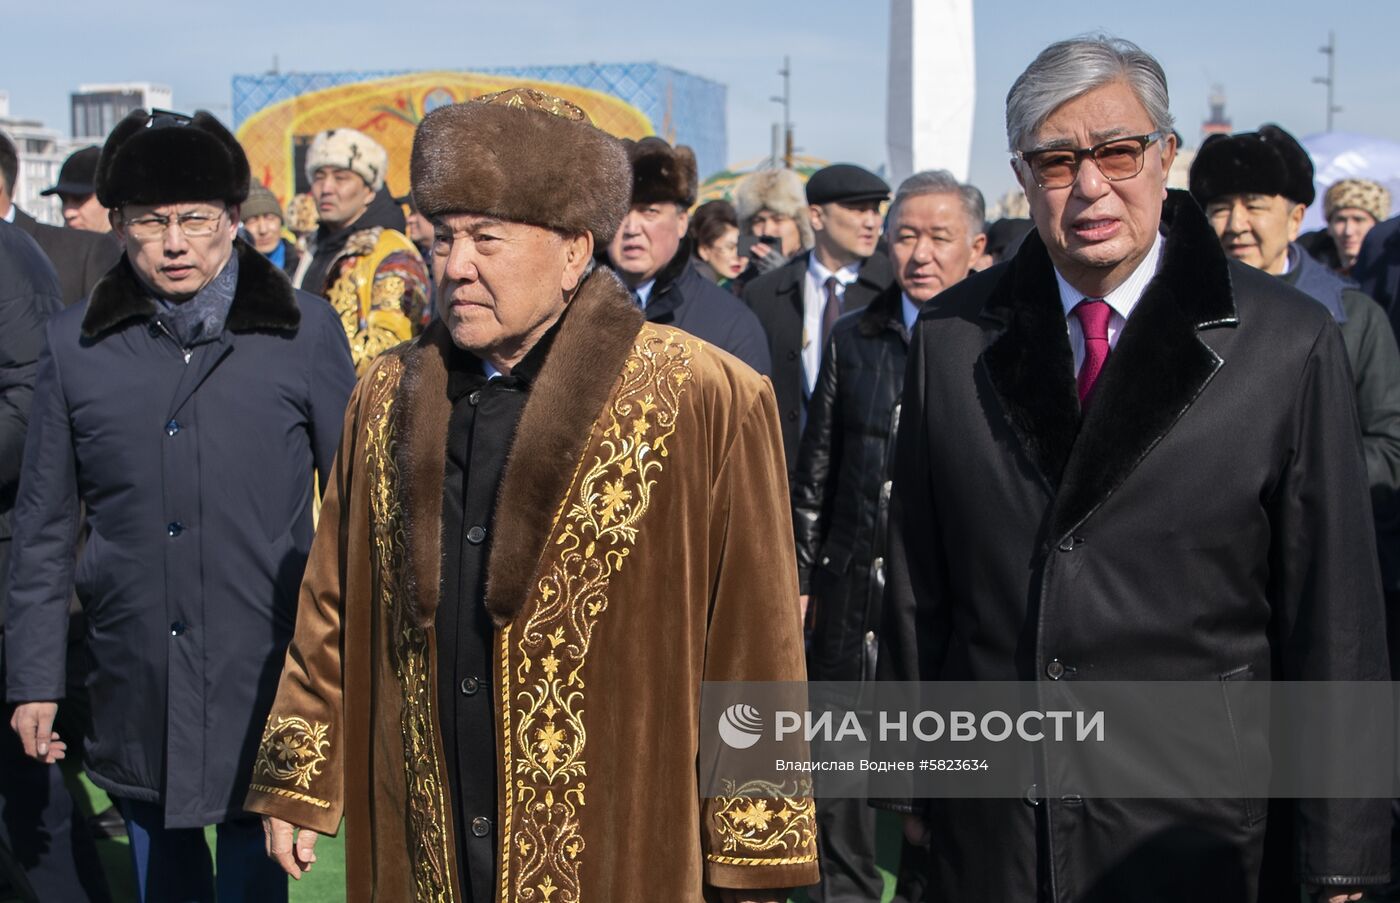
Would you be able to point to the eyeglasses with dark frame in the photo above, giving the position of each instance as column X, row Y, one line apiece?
column 193, row 225
column 1116, row 159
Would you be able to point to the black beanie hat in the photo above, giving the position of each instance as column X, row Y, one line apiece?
column 165, row 158
column 1269, row 161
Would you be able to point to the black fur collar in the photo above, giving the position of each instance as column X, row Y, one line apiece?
column 263, row 300
column 574, row 383
column 1158, row 368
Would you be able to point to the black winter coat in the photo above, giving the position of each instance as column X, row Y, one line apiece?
column 1207, row 518
column 79, row 257
column 686, row 300
column 777, row 299
column 29, row 295
column 841, row 490
column 197, row 477
column 1377, row 269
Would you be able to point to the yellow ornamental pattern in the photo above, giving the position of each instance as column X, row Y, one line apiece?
column 291, row 752
column 370, row 306
column 767, row 818
column 429, row 849
column 544, row 700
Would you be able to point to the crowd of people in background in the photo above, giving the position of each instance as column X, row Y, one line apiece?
column 177, row 359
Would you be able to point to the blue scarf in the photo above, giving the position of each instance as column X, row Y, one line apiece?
column 201, row 318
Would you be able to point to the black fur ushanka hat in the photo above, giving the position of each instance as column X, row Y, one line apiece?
column 166, row 158
column 1269, row 161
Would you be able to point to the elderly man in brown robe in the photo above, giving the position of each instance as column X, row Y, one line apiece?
column 550, row 522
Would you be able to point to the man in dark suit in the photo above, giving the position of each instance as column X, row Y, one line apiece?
column 651, row 254
column 80, row 257
column 46, row 853
column 799, row 302
column 1124, row 457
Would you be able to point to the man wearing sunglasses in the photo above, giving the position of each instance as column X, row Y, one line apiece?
column 186, row 405
column 1123, row 457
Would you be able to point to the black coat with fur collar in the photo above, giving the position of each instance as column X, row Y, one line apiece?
column 197, row 478
column 1208, row 517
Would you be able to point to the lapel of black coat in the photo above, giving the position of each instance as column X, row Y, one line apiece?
column 876, row 274
column 1157, row 370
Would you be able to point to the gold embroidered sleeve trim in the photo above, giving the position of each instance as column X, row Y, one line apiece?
column 291, row 795
column 762, row 817
column 292, row 750
column 744, row 860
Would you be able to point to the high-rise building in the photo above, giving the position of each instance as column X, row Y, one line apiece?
column 97, row 108
column 41, row 152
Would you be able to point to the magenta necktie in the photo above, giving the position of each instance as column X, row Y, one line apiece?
column 1093, row 314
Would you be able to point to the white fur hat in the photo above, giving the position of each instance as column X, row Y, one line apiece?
column 348, row 149
column 778, row 190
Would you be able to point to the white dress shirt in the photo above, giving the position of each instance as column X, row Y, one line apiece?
column 9, row 216
column 813, row 304
column 644, row 292
column 1122, row 299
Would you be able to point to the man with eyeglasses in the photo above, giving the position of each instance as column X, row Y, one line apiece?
column 1124, row 457
column 186, row 404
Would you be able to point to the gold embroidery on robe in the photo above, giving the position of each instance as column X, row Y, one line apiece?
column 762, row 817
column 594, row 531
column 429, row 850
column 292, row 750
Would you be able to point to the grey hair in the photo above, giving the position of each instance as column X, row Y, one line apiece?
column 941, row 181
column 1068, row 69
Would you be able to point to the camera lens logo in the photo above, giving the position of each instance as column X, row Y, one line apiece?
column 741, row 726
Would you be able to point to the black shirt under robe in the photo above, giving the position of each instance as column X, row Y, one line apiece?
column 485, row 414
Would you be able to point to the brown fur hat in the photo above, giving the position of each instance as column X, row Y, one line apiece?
column 523, row 156
column 661, row 173
column 778, row 190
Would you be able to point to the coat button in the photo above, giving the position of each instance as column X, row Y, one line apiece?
column 792, row 415
column 177, row 628
column 1055, row 670
column 1067, row 544
column 476, row 535
column 481, row 826
column 792, row 355
column 174, row 528
column 470, row 685
column 172, row 428
column 1032, row 796
column 474, row 397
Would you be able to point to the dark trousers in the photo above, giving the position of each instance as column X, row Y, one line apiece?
column 846, row 851
column 46, row 852
column 173, row 864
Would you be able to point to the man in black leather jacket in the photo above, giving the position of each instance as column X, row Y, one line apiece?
column 841, row 490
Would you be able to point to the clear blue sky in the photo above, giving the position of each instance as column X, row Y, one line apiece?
column 1264, row 53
